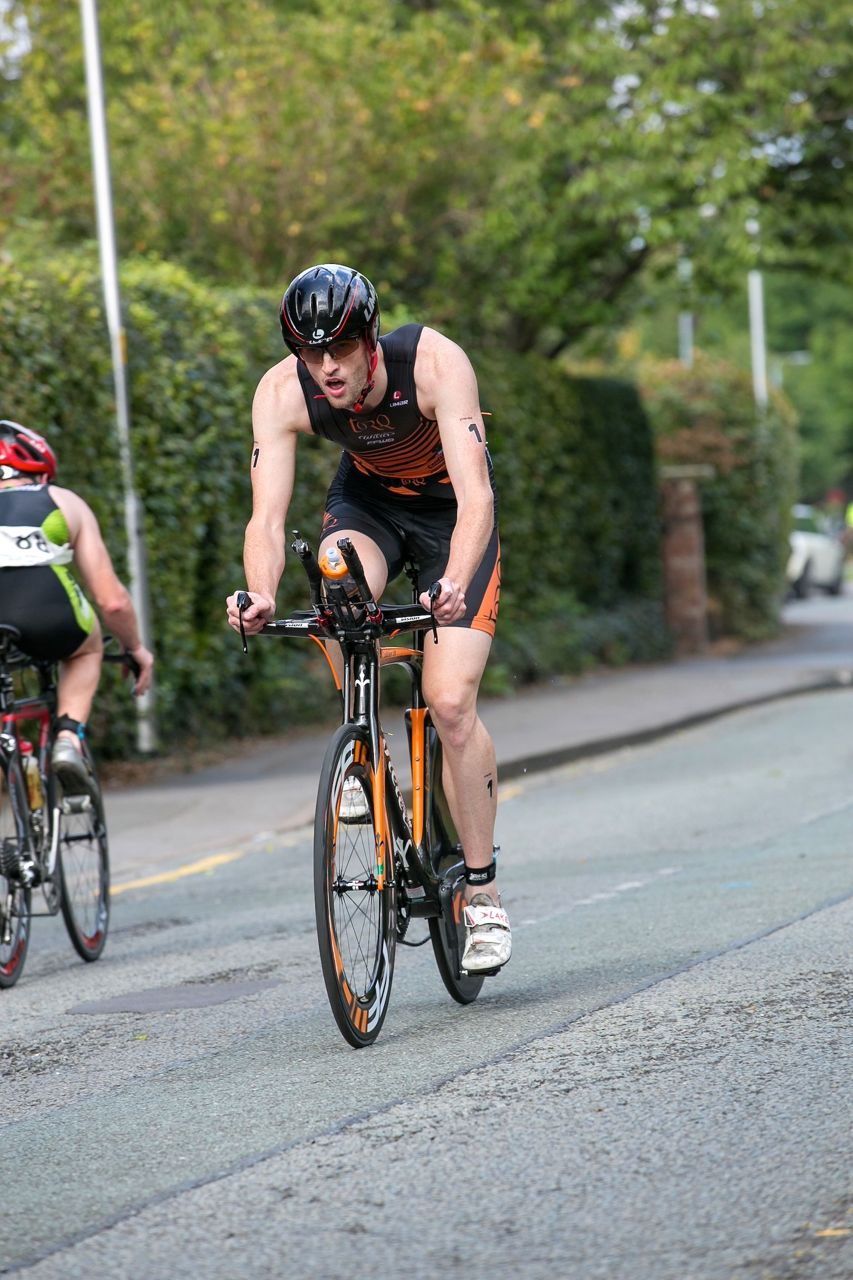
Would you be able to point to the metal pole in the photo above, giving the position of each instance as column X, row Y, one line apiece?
column 685, row 338
column 757, row 339
column 138, row 585
column 685, row 318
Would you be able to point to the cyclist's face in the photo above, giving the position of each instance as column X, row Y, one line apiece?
column 340, row 369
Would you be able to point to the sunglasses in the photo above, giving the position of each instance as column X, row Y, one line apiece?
column 337, row 350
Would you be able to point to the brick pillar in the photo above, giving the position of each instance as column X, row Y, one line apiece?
column 685, row 593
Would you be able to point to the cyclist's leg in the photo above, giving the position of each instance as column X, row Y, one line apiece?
column 452, row 672
column 351, row 514
column 371, row 556
column 453, row 669
column 377, row 546
column 79, row 675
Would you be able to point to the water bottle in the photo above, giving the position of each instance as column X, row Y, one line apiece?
column 35, row 791
column 337, row 575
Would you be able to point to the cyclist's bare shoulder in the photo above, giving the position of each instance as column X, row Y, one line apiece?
column 443, row 372
column 78, row 514
column 279, row 406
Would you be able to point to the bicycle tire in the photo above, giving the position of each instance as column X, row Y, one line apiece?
column 83, row 870
column 447, row 931
column 15, row 898
column 356, row 926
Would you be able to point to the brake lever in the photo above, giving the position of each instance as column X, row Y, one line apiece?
column 434, row 592
column 243, row 602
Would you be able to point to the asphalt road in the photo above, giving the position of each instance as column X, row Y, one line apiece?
column 656, row 1088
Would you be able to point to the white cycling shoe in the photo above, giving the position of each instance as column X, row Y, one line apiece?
column 69, row 766
column 488, row 940
column 354, row 804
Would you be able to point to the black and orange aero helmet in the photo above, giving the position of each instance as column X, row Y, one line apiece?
column 326, row 303
column 24, row 450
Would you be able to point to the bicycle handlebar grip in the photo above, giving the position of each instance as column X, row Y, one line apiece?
column 130, row 661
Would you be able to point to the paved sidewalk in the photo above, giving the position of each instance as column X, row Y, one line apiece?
column 272, row 786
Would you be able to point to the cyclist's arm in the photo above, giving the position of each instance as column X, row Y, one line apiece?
column 446, row 380
column 278, row 416
column 112, row 599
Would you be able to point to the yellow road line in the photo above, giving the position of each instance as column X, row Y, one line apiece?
column 191, row 869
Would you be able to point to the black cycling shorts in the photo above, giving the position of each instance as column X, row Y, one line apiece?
column 418, row 533
column 48, row 607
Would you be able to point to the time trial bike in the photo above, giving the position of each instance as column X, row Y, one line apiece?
column 379, row 864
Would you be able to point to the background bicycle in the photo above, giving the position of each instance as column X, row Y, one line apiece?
column 52, row 845
column 377, row 865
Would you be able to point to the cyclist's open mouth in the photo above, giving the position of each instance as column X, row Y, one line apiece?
column 335, row 387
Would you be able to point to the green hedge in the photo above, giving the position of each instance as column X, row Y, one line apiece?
column 707, row 415
column 574, row 460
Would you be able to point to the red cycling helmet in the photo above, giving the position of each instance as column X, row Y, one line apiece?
column 25, row 450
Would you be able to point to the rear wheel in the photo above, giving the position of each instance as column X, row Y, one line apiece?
column 448, row 939
column 14, row 897
column 447, row 931
column 356, row 920
column 83, row 872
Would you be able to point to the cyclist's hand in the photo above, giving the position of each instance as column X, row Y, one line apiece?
column 449, row 606
column 144, row 660
column 259, row 612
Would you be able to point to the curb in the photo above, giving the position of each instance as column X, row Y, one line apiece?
column 637, row 737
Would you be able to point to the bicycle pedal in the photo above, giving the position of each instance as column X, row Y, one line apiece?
column 76, row 804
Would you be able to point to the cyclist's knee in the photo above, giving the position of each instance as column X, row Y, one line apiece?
column 373, row 561
column 454, row 713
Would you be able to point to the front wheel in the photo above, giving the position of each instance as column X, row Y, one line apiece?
column 83, row 872
column 15, row 899
column 356, row 919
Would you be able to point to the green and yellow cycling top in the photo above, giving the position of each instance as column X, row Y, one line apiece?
column 33, row 530
column 38, row 592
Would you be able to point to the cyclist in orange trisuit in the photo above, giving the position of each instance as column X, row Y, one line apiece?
column 415, row 483
column 43, row 531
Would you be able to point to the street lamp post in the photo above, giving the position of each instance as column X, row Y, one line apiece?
column 145, row 723
column 758, row 341
column 685, row 316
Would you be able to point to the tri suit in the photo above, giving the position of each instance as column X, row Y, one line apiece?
column 38, row 593
column 392, row 483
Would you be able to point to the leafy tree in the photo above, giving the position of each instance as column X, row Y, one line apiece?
column 808, row 321
column 509, row 170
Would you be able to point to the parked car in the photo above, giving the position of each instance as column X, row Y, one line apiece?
column 816, row 556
